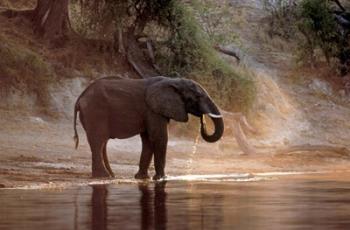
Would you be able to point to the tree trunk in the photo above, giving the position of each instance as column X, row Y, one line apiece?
column 135, row 56
column 121, row 48
column 339, row 4
column 50, row 19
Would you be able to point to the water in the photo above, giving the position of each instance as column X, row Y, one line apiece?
column 268, row 204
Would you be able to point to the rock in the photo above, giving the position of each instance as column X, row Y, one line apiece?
column 37, row 120
column 342, row 93
column 321, row 86
column 286, row 141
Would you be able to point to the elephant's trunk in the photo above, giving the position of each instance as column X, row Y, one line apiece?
column 219, row 128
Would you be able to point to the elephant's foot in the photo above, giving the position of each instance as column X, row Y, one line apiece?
column 101, row 174
column 111, row 174
column 159, row 177
column 141, row 176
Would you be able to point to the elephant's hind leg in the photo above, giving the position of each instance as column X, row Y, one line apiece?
column 98, row 165
column 105, row 159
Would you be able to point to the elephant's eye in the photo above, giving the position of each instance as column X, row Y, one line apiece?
column 192, row 100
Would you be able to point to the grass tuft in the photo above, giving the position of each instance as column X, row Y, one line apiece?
column 191, row 54
column 24, row 70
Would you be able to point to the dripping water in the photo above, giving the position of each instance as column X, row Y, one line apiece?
column 194, row 150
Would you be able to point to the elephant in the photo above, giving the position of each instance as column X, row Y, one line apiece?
column 114, row 107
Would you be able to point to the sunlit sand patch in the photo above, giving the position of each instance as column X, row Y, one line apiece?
column 211, row 177
column 290, row 173
column 65, row 185
column 54, row 165
column 240, row 177
column 232, row 177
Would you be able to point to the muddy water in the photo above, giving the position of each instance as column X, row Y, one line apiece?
column 297, row 203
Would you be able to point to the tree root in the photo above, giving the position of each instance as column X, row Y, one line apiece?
column 133, row 64
column 240, row 126
column 137, row 59
column 320, row 148
column 339, row 5
column 151, row 55
column 121, row 48
column 10, row 13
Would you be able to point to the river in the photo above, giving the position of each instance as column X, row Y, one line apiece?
column 285, row 202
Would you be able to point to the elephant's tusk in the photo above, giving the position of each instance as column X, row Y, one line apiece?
column 214, row 115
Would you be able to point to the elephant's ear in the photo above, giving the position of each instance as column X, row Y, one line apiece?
column 163, row 98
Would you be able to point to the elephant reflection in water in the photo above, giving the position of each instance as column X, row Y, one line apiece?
column 152, row 206
column 156, row 216
column 99, row 207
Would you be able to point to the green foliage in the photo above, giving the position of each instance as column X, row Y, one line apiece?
column 23, row 69
column 234, row 90
column 282, row 14
column 188, row 45
column 183, row 48
column 101, row 19
column 312, row 24
column 215, row 18
column 190, row 53
column 319, row 27
column 322, row 32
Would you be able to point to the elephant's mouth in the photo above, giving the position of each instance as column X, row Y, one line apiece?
column 218, row 124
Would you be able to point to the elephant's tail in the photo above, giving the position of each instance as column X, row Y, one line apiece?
column 76, row 137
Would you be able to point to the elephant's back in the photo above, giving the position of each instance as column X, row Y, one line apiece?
column 104, row 89
column 120, row 103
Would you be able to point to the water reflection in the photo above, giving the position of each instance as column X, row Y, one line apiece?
column 153, row 208
column 99, row 207
column 276, row 204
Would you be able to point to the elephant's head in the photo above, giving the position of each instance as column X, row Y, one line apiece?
column 175, row 98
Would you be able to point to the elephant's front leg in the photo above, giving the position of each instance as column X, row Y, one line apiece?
column 160, row 147
column 146, row 157
column 157, row 130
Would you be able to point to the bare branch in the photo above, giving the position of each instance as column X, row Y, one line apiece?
column 227, row 52
column 321, row 148
column 135, row 66
column 242, row 139
column 9, row 13
column 240, row 124
column 121, row 48
column 150, row 51
column 339, row 5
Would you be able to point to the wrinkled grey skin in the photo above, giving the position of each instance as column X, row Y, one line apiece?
column 121, row 108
